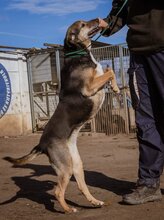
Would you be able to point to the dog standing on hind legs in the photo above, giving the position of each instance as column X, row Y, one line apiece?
column 81, row 96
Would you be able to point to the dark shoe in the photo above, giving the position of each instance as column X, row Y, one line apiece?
column 143, row 194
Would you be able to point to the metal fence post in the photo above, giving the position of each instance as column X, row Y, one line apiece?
column 58, row 68
column 93, row 125
column 29, row 73
column 124, row 91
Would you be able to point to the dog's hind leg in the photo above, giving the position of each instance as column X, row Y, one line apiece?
column 61, row 162
column 79, row 172
column 63, row 180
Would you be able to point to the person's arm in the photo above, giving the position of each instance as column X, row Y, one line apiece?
column 112, row 22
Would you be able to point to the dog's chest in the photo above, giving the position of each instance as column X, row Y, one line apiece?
column 98, row 100
column 99, row 97
column 99, row 69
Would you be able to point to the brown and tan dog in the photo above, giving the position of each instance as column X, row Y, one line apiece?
column 81, row 96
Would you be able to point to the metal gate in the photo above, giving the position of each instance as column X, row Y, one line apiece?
column 44, row 76
column 116, row 114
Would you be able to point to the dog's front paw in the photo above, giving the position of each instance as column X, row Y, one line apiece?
column 116, row 89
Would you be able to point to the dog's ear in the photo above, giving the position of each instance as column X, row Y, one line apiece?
column 71, row 41
column 71, row 37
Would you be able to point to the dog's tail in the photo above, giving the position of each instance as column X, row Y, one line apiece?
column 27, row 158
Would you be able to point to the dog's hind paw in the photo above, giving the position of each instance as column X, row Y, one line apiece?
column 97, row 203
column 71, row 210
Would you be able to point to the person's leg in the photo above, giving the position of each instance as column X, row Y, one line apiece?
column 147, row 98
column 150, row 120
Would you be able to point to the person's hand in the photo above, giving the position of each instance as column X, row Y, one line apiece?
column 102, row 23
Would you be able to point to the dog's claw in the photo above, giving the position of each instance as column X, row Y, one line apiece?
column 74, row 210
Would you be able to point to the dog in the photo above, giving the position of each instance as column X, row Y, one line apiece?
column 80, row 98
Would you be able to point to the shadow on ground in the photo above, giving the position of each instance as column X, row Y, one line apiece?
column 37, row 190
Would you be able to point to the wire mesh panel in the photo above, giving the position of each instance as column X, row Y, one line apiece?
column 116, row 115
column 111, row 118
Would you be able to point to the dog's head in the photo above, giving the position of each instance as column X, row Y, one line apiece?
column 79, row 35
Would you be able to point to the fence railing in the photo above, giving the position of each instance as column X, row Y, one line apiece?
column 116, row 114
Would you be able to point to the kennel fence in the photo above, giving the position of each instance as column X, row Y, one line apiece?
column 115, row 116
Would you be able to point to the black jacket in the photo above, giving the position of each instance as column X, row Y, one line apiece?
column 145, row 19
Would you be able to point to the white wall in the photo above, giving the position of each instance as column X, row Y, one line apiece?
column 17, row 120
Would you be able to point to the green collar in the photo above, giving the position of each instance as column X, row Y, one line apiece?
column 77, row 53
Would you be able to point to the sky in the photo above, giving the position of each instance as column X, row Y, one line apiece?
column 31, row 23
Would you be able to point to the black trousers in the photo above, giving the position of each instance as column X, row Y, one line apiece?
column 146, row 81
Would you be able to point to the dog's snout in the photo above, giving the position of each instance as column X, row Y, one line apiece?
column 94, row 22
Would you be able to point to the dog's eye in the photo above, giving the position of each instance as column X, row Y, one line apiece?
column 83, row 25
